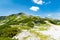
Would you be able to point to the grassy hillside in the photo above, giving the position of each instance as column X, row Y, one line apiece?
column 14, row 24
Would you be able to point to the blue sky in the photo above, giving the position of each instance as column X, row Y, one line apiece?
column 43, row 8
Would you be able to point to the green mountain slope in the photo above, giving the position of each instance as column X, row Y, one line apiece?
column 13, row 24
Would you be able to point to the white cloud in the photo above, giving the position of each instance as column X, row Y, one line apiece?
column 38, row 1
column 34, row 8
column 49, row 15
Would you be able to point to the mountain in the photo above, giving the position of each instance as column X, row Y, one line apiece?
column 13, row 24
column 16, row 19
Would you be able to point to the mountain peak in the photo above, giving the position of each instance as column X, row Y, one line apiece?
column 21, row 13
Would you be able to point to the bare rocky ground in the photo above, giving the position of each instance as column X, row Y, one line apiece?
column 53, row 33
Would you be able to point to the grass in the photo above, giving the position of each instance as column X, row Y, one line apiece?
column 41, row 36
column 24, row 38
column 44, row 27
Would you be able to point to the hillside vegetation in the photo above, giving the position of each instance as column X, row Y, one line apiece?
column 14, row 24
